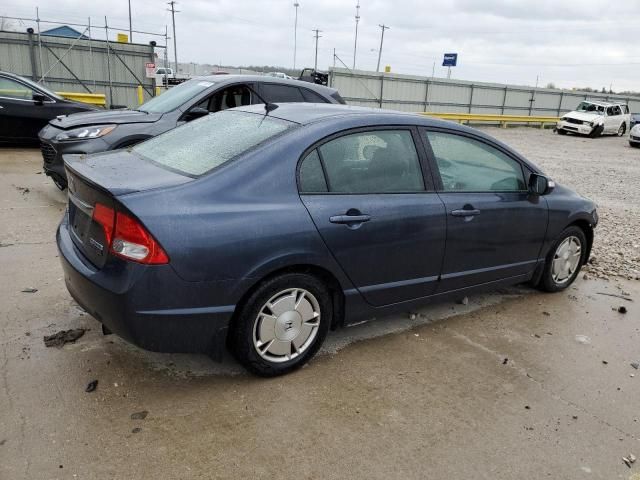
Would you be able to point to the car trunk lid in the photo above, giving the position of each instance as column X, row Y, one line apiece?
column 101, row 179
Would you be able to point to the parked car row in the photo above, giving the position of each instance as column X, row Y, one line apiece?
column 110, row 130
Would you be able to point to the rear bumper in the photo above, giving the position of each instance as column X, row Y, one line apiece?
column 149, row 306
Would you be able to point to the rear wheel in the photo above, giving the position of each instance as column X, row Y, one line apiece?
column 622, row 129
column 564, row 260
column 282, row 324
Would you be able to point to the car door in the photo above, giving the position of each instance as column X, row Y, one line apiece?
column 611, row 120
column 495, row 228
column 376, row 211
column 20, row 116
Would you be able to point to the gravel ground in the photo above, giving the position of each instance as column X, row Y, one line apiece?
column 604, row 169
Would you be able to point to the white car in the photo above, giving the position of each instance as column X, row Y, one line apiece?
column 279, row 75
column 595, row 119
column 634, row 136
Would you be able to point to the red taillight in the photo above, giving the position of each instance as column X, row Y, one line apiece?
column 127, row 238
column 106, row 217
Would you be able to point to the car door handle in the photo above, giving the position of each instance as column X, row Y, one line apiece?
column 465, row 213
column 346, row 219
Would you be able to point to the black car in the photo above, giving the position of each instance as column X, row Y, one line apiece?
column 26, row 107
column 259, row 229
column 195, row 98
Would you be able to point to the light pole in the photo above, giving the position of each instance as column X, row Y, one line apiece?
column 173, row 21
column 130, row 29
column 355, row 43
column 383, row 27
column 295, row 34
column 317, row 36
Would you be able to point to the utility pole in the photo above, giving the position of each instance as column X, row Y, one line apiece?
column 383, row 27
column 316, row 36
column 173, row 21
column 130, row 29
column 355, row 43
column 295, row 34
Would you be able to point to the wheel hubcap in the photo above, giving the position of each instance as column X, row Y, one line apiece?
column 286, row 325
column 566, row 260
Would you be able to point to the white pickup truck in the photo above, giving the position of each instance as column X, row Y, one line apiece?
column 166, row 76
column 595, row 119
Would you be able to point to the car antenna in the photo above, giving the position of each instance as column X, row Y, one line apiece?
column 268, row 107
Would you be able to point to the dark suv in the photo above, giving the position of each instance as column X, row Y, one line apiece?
column 109, row 130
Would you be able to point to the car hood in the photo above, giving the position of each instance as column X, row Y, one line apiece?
column 101, row 117
column 121, row 172
column 584, row 116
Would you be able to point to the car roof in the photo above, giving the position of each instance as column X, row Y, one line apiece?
column 312, row 113
column 604, row 104
column 224, row 79
column 307, row 113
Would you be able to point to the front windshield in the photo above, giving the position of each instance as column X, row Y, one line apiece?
column 590, row 108
column 41, row 87
column 204, row 144
column 175, row 96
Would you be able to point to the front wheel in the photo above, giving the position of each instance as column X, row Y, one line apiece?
column 564, row 260
column 561, row 131
column 597, row 131
column 282, row 324
column 622, row 129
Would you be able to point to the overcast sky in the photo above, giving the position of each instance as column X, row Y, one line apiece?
column 570, row 43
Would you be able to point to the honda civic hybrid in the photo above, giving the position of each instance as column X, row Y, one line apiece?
column 260, row 228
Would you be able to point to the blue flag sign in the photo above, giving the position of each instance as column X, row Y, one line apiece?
column 450, row 60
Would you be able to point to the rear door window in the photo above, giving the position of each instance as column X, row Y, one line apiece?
column 312, row 97
column 281, row 93
column 381, row 161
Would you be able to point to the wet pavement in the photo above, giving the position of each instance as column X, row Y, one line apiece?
column 516, row 384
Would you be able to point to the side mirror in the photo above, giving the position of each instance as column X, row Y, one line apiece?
column 540, row 185
column 195, row 112
column 38, row 98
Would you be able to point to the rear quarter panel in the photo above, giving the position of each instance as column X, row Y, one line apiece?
column 240, row 222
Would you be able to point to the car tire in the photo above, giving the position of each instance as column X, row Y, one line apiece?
column 564, row 260
column 597, row 131
column 282, row 324
column 622, row 129
column 561, row 131
column 634, row 144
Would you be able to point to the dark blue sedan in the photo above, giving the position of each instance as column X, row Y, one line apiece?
column 259, row 229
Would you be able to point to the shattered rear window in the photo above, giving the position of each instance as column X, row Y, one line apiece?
column 204, row 144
